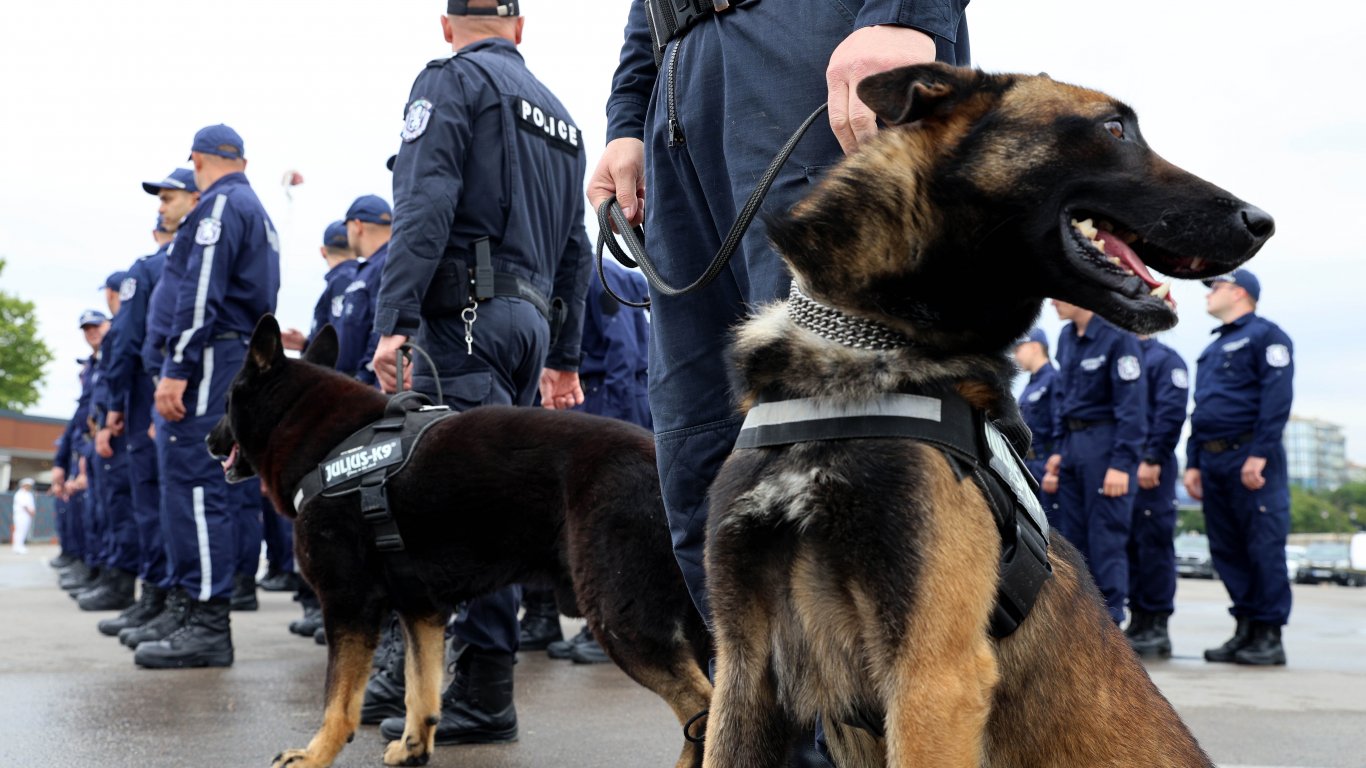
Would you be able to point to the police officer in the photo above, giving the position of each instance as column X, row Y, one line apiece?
column 1038, row 407
column 487, row 270
column 369, row 225
column 341, row 271
column 1152, row 550
column 224, row 271
column 68, row 471
column 1103, row 416
column 1235, row 464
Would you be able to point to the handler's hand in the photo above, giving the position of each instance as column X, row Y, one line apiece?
column 114, row 421
column 1050, row 482
column 386, row 369
column 102, row 444
column 1053, row 464
column 865, row 52
column 621, row 173
column 1116, row 483
column 1193, row 484
column 1252, row 473
column 170, row 398
column 560, row 390
column 1149, row 475
column 294, row 339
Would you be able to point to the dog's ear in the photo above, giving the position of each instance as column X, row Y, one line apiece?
column 323, row 349
column 266, row 350
column 914, row 93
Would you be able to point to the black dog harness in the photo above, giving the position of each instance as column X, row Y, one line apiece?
column 974, row 447
column 365, row 461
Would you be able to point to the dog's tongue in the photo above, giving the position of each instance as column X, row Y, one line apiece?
column 232, row 457
column 1121, row 250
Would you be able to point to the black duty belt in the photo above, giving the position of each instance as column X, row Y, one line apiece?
column 1081, row 425
column 1226, row 444
column 974, row 447
column 671, row 18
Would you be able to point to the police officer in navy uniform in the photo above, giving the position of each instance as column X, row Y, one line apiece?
column 224, row 272
column 487, row 271
column 1103, row 414
column 1235, row 465
column 69, row 472
column 1038, row 408
column 369, row 226
column 341, row 271
column 1152, row 550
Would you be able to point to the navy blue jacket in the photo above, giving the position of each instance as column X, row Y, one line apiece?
column 1168, row 393
column 331, row 303
column 160, row 309
column 99, row 384
column 356, row 335
column 616, row 338
column 636, row 72
column 128, row 331
column 75, row 440
column 1102, row 380
column 488, row 152
column 1039, row 408
column 225, row 269
column 1243, row 383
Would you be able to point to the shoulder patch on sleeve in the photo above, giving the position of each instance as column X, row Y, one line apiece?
column 1278, row 355
column 210, row 229
column 128, row 288
column 1180, row 379
column 415, row 122
column 1128, row 368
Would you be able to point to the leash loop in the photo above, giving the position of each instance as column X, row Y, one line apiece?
column 404, row 354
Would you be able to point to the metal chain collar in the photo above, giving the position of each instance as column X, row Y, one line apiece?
column 832, row 324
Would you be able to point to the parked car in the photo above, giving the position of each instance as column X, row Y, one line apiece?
column 1295, row 558
column 1329, row 561
column 1192, row 557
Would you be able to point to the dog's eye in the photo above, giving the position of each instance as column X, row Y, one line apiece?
column 1116, row 128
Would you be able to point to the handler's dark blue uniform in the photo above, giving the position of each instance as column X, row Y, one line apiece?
column 1152, row 552
column 356, row 336
column 1243, row 391
column 1039, row 408
column 110, row 476
column 730, row 92
column 1104, row 418
column 224, row 272
column 130, row 392
column 616, row 348
column 488, row 151
column 330, row 306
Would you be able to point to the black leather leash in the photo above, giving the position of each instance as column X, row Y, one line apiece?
column 405, row 354
column 610, row 216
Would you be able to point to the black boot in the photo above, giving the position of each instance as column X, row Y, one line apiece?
column 171, row 618
column 540, row 621
column 564, row 649
column 244, row 593
column 312, row 620
column 587, row 650
column 149, row 604
column 115, row 594
column 1241, row 637
column 1139, row 621
column 62, row 560
column 477, row 707
column 204, row 641
column 384, row 691
column 1265, row 649
column 280, row 581
column 1153, row 641
column 78, row 577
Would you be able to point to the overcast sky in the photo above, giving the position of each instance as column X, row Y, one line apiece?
column 100, row 96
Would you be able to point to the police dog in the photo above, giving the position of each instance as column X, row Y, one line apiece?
column 854, row 579
column 490, row 497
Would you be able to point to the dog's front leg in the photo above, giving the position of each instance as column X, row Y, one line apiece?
column 939, row 710
column 422, row 678
column 349, row 652
column 747, row 727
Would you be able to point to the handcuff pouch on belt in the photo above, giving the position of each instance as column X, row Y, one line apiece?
column 364, row 462
column 974, row 447
column 453, row 287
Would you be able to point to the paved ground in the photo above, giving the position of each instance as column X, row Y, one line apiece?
column 72, row 697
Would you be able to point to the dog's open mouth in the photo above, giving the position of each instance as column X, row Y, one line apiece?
column 1120, row 258
column 230, row 463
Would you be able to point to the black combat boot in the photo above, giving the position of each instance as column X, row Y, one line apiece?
column 1153, row 641
column 1241, row 637
column 477, row 707
column 312, row 620
column 279, row 581
column 204, row 641
column 115, row 594
column 244, row 593
column 385, row 690
column 1265, row 649
column 1139, row 621
column 587, row 650
column 79, row 576
column 171, row 618
column 62, row 560
column 94, row 579
column 564, row 649
column 149, row 604
column 540, row 621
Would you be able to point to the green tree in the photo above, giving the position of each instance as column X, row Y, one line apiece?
column 22, row 354
column 1317, row 513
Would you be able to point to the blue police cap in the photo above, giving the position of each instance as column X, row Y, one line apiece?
column 93, row 317
column 180, row 178
column 115, row 280
column 462, row 8
column 1241, row 278
column 372, row 209
column 335, row 235
column 1035, row 334
column 219, row 140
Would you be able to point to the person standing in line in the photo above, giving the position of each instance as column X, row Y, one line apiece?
column 1038, row 408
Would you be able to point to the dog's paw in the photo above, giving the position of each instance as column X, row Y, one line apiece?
column 296, row 758
column 406, row 751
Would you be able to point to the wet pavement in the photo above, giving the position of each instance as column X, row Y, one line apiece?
column 70, row 696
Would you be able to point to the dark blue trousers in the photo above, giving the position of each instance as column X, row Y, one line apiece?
column 1152, row 549
column 250, row 527
column 1096, row 524
column 69, row 528
column 92, row 514
column 511, row 339
column 1247, row 533
column 114, row 486
column 278, row 531
column 153, row 567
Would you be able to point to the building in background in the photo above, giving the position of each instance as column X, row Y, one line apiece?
column 1316, row 452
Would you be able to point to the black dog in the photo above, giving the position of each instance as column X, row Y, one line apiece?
column 489, row 497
